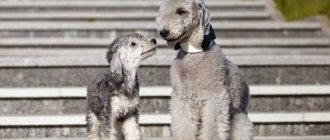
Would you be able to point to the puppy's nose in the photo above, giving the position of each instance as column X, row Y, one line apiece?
column 153, row 41
column 164, row 32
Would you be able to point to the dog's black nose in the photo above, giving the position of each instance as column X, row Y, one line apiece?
column 164, row 32
column 154, row 41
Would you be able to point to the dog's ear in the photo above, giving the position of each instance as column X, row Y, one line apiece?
column 205, row 18
column 113, row 57
column 116, row 68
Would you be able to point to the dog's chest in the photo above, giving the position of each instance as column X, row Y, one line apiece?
column 121, row 105
column 198, row 74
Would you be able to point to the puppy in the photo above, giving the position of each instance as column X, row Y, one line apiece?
column 113, row 96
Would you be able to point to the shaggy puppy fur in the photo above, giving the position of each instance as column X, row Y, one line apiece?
column 113, row 96
column 210, row 94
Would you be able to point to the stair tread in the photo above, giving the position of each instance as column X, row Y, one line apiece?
column 164, row 57
column 165, row 119
column 315, row 137
column 117, row 3
column 150, row 25
column 119, row 15
column 222, row 42
column 52, row 52
column 161, row 91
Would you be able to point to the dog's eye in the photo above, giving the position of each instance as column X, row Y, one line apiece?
column 182, row 11
column 133, row 44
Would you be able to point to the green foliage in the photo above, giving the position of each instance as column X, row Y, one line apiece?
column 298, row 9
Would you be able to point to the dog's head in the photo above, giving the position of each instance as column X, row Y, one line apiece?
column 125, row 53
column 179, row 19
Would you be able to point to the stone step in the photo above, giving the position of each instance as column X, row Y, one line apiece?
column 70, row 69
column 168, row 138
column 159, row 91
column 267, row 124
column 117, row 5
column 60, row 76
column 122, row 16
column 41, row 52
column 103, row 29
column 226, row 43
column 155, row 100
column 162, row 119
column 71, row 57
column 159, row 105
column 147, row 25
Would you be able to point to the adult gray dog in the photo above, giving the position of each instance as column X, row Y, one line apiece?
column 210, row 94
column 113, row 96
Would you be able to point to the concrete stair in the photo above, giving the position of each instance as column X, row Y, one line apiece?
column 257, row 138
column 155, row 99
column 50, row 50
column 232, row 43
column 50, row 120
column 124, row 17
column 158, row 125
column 119, row 6
column 75, row 67
column 102, row 29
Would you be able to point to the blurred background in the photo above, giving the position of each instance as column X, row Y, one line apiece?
column 50, row 49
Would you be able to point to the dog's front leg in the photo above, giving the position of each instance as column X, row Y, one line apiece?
column 182, row 127
column 215, row 120
column 131, row 128
column 93, row 125
column 114, row 132
column 241, row 127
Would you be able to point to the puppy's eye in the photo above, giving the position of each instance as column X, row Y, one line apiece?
column 133, row 44
column 181, row 11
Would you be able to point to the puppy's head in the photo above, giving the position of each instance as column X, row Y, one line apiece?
column 178, row 19
column 125, row 53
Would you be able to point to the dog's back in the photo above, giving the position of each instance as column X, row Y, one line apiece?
column 98, row 103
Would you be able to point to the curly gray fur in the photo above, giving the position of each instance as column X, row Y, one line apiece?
column 112, row 97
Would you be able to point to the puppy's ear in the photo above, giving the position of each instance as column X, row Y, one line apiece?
column 113, row 57
column 116, row 68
